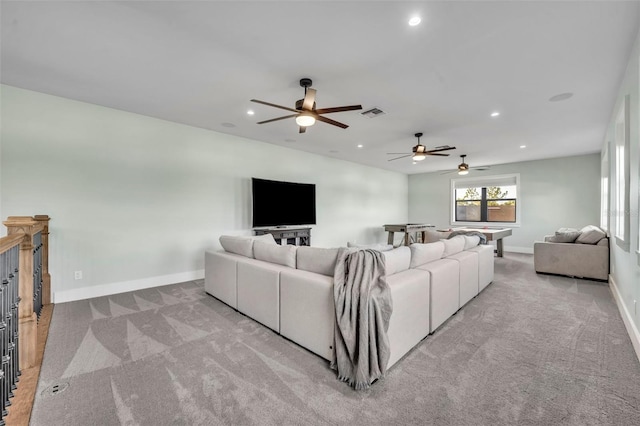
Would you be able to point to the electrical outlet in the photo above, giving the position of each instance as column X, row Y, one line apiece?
column 78, row 275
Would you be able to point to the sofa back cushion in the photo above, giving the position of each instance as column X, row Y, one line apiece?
column 453, row 245
column 397, row 260
column 243, row 244
column 425, row 253
column 470, row 241
column 237, row 244
column 590, row 234
column 273, row 253
column 318, row 260
column 375, row 246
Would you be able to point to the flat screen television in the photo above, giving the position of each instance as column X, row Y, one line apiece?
column 277, row 203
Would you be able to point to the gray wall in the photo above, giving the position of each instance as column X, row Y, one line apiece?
column 135, row 201
column 625, row 269
column 554, row 193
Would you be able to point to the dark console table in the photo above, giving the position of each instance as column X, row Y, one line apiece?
column 291, row 236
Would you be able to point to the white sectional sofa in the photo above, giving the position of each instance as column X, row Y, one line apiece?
column 290, row 289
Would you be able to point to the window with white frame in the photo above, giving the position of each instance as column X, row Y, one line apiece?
column 604, row 187
column 486, row 200
column 621, row 177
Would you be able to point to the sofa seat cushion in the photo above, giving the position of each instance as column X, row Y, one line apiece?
column 220, row 276
column 307, row 310
column 590, row 234
column 273, row 253
column 316, row 259
column 468, row 262
column 409, row 322
column 444, row 290
column 259, row 291
column 397, row 260
column 425, row 253
column 485, row 265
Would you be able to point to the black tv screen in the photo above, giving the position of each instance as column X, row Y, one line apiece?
column 277, row 203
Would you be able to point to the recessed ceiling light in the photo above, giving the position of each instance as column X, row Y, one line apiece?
column 360, row 145
column 415, row 21
column 523, row 146
column 561, row 97
column 495, row 114
column 228, row 125
column 250, row 112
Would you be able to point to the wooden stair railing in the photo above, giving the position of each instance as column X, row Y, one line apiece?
column 25, row 287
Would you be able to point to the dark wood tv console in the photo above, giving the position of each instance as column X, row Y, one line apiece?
column 291, row 236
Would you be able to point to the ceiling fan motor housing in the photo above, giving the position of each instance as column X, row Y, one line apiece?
column 299, row 103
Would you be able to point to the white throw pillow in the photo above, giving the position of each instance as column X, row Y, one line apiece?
column 453, row 245
column 397, row 260
column 425, row 253
column 318, row 260
column 590, row 234
column 274, row 253
column 238, row 245
column 470, row 241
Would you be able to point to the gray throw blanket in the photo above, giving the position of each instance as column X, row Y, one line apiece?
column 363, row 308
column 483, row 238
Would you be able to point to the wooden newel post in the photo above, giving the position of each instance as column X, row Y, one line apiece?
column 28, row 320
column 46, row 277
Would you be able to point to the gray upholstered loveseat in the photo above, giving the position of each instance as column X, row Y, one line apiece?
column 579, row 253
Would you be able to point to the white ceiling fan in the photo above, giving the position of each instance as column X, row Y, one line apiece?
column 463, row 168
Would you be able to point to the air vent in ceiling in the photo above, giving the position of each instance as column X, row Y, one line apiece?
column 373, row 112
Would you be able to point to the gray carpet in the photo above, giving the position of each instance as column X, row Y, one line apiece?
column 529, row 350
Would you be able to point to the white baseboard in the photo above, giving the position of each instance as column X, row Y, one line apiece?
column 632, row 330
column 525, row 250
column 124, row 286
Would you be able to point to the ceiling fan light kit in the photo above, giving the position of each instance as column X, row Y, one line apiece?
column 305, row 120
column 305, row 110
column 463, row 168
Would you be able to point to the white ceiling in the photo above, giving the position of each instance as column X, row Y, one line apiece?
column 200, row 63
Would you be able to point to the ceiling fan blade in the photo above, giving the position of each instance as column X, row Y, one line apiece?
column 396, row 153
column 440, row 149
column 330, row 121
column 449, row 172
column 276, row 119
column 338, row 109
column 397, row 158
column 309, row 99
column 435, row 153
column 274, row 105
column 302, row 129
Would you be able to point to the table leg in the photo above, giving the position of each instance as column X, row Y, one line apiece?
column 407, row 239
column 499, row 247
column 424, row 237
column 390, row 238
